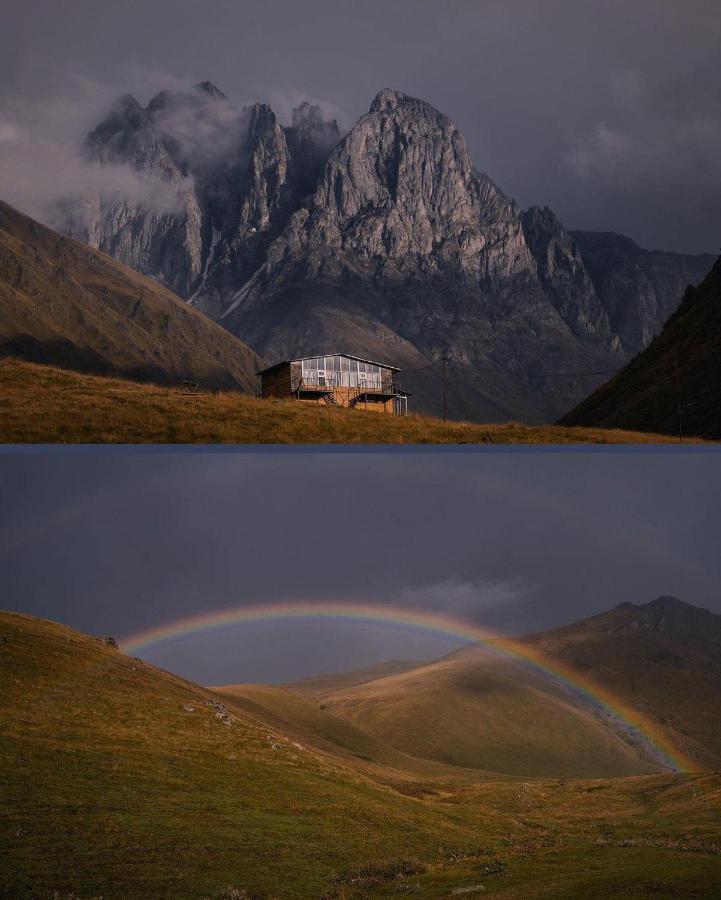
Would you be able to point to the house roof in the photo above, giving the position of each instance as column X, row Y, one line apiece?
column 285, row 362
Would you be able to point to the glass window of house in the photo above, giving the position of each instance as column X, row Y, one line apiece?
column 344, row 363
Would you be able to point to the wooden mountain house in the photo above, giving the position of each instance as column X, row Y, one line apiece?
column 337, row 380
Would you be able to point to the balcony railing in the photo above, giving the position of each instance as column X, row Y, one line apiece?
column 309, row 382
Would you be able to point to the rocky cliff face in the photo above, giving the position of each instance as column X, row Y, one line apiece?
column 674, row 385
column 639, row 289
column 400, row 193
column 403, row 228
column 387, row 243
column 564, row 277
column 221, row 185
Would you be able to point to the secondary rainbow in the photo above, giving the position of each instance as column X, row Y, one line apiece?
column 640, row 727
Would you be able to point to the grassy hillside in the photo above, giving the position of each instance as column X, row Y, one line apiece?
column 120, row 780
column 63, row 303
column 317, row 685
column 663, row 658
column 43, row 404
column 474, row 710
column 314, row 724
column 681, row 368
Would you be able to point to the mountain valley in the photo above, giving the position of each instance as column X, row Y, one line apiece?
column 263, row 791
column 386, row 242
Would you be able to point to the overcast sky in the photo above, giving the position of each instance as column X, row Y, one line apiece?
column 114, row 542
column 607, row 110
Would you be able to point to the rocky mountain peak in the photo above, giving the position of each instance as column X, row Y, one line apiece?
column 400, row 188
column 207, row 87
column 126, row 105
column 261, row 118
column 310, row 117
column 667, row 602
column 388, row 99
column 125, row 115
column 669, row 616
column 563, row 275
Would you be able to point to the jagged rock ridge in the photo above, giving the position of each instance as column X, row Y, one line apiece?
column 387, row 242
column 232, row 179
column 674, row 385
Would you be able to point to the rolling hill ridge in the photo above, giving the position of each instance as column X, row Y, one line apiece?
column 64, row 303
column 662, row 658
column 120, row 779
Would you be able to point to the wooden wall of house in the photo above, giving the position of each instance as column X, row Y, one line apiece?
column 277, row 383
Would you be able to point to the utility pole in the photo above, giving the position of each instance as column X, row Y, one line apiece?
column 445, row 385
column 678, row 395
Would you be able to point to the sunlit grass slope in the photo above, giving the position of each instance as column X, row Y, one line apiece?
column 120, row 780
column 63, row 303
column 44, row 404
column 474, row 710
column 313, row 724
column 662, row 658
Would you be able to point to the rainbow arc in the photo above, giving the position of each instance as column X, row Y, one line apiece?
column 637, row 726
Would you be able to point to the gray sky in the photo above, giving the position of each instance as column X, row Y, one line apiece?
column 607, row 110
column 114, row 542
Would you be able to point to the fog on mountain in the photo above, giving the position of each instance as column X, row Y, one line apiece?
column 386, row 242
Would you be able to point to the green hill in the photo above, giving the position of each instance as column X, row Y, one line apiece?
column 662, row 658
column 118, row 779
column 476, row 709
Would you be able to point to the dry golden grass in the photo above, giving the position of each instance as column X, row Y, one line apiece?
column 44, row 404
column 120, row 780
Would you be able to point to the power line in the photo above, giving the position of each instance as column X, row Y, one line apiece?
column 678, row 394
column 445, row 361
column 580, row 374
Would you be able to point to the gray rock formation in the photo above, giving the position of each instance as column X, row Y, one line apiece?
column 402, row 230
column 639, row 289
column 387, row 243
column 563, row 275
column 218, row 184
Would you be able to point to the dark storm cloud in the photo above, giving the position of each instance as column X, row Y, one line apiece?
column 606, row 110
column 514, row 542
